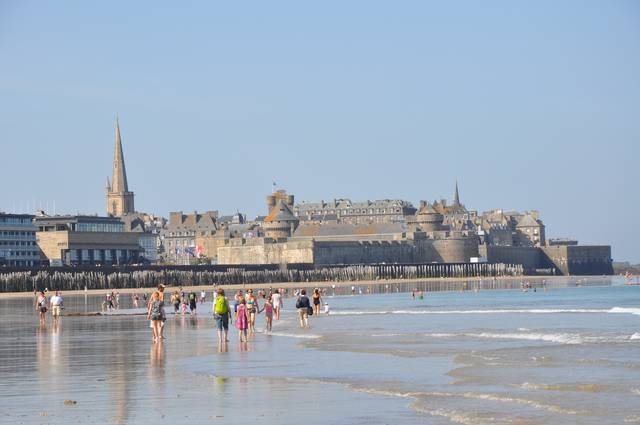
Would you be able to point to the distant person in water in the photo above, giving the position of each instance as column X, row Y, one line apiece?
column 268, row 314
column 56, row 306
column 251, row 303
column 276, row 301
column 175, row 300
column 193, row 303
column 241, row 320
column 203, row 296
column 317, row 300
column 41, row 306
column 154, row 315
column 303, row 305
column 136, row 300
column 163, row 314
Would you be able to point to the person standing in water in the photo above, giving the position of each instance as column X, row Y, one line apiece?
column 41, row 306
column 222, row 313
column 276, row 301
column 268, row 314
column 163, row 315
column 241, row 320
column 317, row 301
column 203, row 296
column 303, row 306
column 154, row 315
column 56, row 306
column 251, row 303
column 193, row 303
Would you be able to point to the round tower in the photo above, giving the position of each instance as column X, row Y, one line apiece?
column 428, row 219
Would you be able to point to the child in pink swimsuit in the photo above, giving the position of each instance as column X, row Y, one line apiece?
column 241, row 320
column 268, row 313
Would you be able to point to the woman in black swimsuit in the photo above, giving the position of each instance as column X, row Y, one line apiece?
column 317, row 300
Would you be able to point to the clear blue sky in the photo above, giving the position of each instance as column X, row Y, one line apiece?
column 530, row 105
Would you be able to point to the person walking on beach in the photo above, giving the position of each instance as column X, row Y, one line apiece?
column 193, row 303
column 154, row 314
column 241, row 320
column 252, row 310
column 175, row 300
column 268, row 314
column 56, row 306
column 203, row 296
column 317, row 300
column 222, row 313
column 136, row 300
column 41, row 306
column 237, row 298
column 163, row 314
column 276, row 301
column 303, row 306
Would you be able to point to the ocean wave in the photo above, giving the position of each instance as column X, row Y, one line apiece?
column 561, row 338
column 635, row 336
column 614, row 310
column 471, row 395
column 290, row 335
column 589, row 388
column 627, row 310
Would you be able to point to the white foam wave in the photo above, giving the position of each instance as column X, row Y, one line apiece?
column 561, row 338
column 635, row 391
column 290, row 335
column 635, row 336
column 471, row 395
column 627, row 310
column 614, row 310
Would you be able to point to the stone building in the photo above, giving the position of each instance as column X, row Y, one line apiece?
column 512, row 228
column 85, row 240
column 119, row 198
column 148, row 228
column 178, row 239
column 280, row 223
column 346, row 211
column 289, row 240
column 18, row 241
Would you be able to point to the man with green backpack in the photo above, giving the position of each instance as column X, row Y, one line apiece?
column 222, row 314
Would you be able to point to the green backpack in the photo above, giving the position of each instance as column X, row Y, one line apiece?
column 221, row 305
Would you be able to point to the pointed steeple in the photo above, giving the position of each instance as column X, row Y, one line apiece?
column 119, row 172
column 456, row 195
column 108, row 186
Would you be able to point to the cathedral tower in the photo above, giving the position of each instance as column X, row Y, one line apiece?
column 119, row 199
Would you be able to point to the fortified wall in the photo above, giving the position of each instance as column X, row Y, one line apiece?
column 328, row 252
column 564, row 259
column 579, row 259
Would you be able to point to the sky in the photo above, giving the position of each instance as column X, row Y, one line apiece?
column 529, row 105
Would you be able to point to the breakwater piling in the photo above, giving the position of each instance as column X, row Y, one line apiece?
column 26, row 281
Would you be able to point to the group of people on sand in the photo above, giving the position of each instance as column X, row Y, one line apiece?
column 55, row 304
column 181, row 301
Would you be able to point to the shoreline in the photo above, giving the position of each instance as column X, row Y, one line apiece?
column 292, row 285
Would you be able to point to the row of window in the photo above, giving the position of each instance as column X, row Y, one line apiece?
column 355, row 211
column 185, row 233
column 98, row 227
column 17, row 243
column 16, row 233
column 20, row 254
column 15, row 220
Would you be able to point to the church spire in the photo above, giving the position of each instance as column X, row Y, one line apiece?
column 108, row 186
column 119, row 180
column 456, row 195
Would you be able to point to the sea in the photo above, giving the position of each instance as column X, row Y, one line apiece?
column 552, row 354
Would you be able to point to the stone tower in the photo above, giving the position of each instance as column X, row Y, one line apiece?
column 456, row 196
column 119, row 199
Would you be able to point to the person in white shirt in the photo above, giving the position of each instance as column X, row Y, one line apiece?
column 203, row 295
column 276, row 301
column 56, row 305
